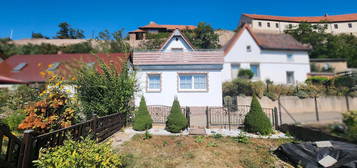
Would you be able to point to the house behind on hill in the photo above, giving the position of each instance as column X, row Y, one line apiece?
column 335, row 24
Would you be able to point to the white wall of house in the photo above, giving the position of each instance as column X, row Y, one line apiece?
column 273, row 64
column 169, row 89
column 177, row 42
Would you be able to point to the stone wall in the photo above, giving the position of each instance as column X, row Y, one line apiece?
column 329, row 108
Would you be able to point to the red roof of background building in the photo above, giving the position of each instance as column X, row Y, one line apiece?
column 311, row 19
column 6, row 80
column 35, row 64
column 169, row 27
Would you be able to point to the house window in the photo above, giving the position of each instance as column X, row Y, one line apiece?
column 349, row 25
column 193, row 82
column 53, row 66
column 249, row 48
column 260, row 24
column 290, row 26
column 154, row 82
column 139, row 36
column 290, row 79
column 234, row 70
column 255, row 70
column 336, row 26
column 290, row 57
column 19, row 67
column 268, row 24
column 277, row 25
column 177, row 49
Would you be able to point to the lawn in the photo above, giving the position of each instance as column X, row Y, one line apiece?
column 194, row 151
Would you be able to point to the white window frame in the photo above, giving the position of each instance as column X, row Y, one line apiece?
column 192, row 84
column 237, row 65
column 258, row 70
column 148, row 89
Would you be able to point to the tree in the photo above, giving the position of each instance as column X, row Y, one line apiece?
column 203, row 36
column 104, row 89
column 256, row 120
column 67, row 32
column 112, row 42
column 38, row 36
column 176, row 121
column 142, row 120
column 154, row 40
column 326, row 45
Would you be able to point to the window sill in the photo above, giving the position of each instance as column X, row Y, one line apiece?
column 193, row 90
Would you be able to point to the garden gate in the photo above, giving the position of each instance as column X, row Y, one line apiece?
column 159, row 113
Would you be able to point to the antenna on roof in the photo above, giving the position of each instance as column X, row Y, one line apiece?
column 326, row 14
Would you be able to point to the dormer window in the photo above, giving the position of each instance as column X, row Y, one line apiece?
column 19, row 67
column 53, row 67
column 177, row 49
column 249, row 48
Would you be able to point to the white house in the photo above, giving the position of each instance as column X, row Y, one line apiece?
column 179, row 70
column 275, row 56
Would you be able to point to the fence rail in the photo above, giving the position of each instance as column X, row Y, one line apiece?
column 21, row 153
column 160, row 113
column 233, row 115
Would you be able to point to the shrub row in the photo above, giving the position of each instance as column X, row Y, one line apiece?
column 175, row 123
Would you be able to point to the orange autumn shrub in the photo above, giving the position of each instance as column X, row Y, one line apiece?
column 54, row 110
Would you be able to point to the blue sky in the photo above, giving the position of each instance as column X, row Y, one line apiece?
column 26, row 16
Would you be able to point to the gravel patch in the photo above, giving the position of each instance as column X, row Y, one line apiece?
column 156, row 131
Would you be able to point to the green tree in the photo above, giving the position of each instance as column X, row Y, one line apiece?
column 104, row 89
column 142, row 120
column 176, row 121
column 67, row 32
column 203, row 36
column 38, row 36
column 112, row 42
column 154, row 40
column 326, row 45
column 256, row 120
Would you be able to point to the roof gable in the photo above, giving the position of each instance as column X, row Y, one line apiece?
column 175, row 41
column 268, row 41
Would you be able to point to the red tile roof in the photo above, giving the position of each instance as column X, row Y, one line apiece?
column 169, row 27
column 6, row 80
column 269, row 41
column 35, row 64
column 311, row 19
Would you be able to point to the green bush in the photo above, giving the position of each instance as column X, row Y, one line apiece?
column 317, row 80
column 14, row 119
column 256, row 120
column 245, row 74
column 86, row 153
column 244, row 87
column 142, row 120
column 350, row 120
column 106, row 89
column 258, row 88
column 176, row 121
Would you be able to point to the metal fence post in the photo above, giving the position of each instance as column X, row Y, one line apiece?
column 276, row 121
column 229, row 116
column 316, row 110
column 207, row 121
column 188, row 116
column 279, row 105
column 26, row 149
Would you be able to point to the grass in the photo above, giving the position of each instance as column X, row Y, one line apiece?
column 200, row 151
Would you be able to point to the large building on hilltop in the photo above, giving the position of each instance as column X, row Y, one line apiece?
column 335, row 24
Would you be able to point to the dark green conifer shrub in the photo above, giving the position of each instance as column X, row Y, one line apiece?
column 256, row 121
column 142, row 120
column 176, row 121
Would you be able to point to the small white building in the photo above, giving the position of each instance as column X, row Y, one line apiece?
column 274, row 56
column 179, row 70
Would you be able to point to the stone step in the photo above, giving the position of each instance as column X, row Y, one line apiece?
column 197, row 131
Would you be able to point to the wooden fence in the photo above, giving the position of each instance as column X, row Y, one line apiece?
column 234, row 115
column 100, row 128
